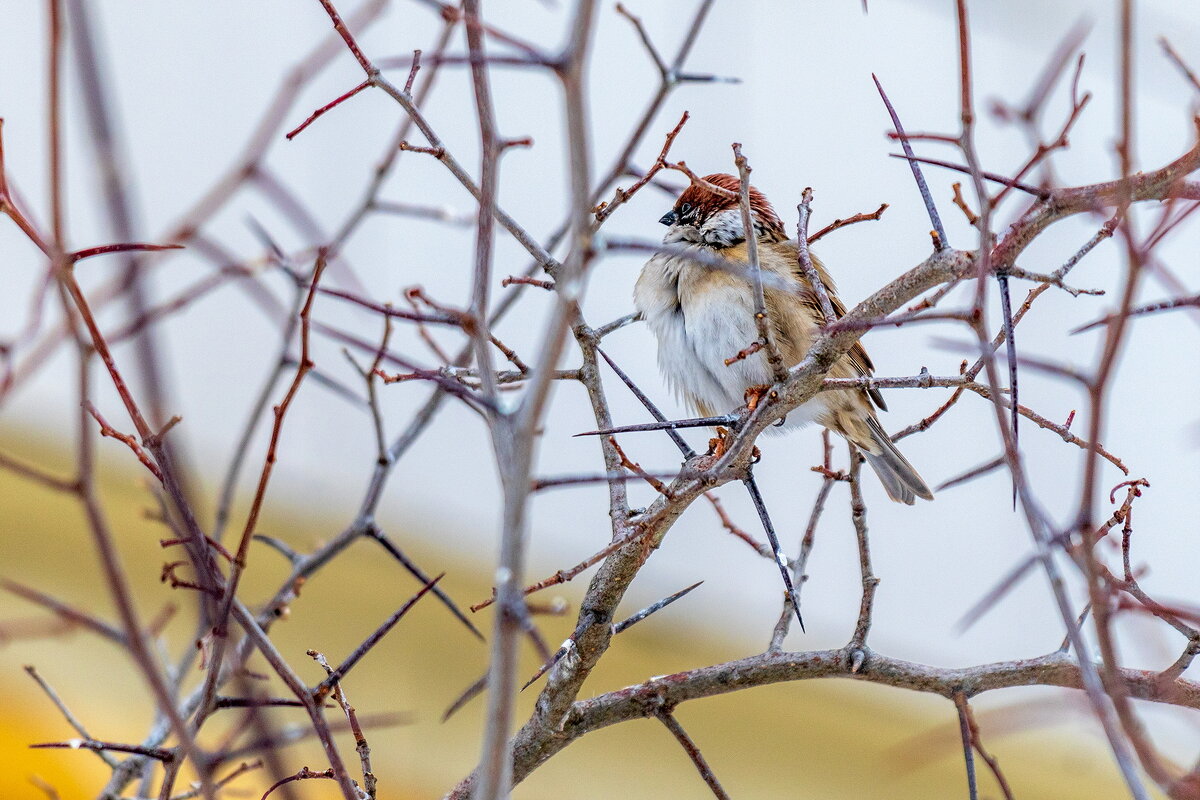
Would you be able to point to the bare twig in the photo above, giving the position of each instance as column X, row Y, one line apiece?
column 934, row 218
column 990, row 176
column 875, row 215
column 693, row 752
column 1179, row 62
column 761, row 321
column 157, row 753
column 344, row 668
column 72, row 720
column 304, row 774
column 858, row 515
column 776, row 550
column 326, row 108
column 964, row 726
column 621, row 196
column 512, row 403
column 360, row 741
column 806, row 263
column 69, row 613
column 619, row 627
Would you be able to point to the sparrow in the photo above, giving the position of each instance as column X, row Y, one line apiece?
column 702, row 317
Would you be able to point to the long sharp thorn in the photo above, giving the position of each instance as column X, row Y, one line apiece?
column 470, row 693
column 1083, row 615
column 408, row 564
column 651, row 609
column 698, row 422
column 618, row 628
column 934, row 217
column 544, row 668
column 1011, row 349
column 687, row 451
column 994, row 595
column 776, row 550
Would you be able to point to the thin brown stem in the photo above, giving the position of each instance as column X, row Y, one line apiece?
column 693, row 752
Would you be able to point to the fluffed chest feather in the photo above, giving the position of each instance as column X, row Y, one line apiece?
column 701, row 318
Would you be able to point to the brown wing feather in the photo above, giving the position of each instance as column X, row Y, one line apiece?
column 858, row 358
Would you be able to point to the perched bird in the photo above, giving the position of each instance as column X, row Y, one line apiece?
column 702, row 317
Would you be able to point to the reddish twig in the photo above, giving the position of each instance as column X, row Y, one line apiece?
column 340, row 26
column 842, row 223
column 745, row 352
column 313, row 117
column 960, row 702
column 1179, row 62
column 304, row 774
column 805, row 260
column 693, row 753
column 728, row 524
column 129, row 441
column 621, row 196
column 562, row 576
column 696, row 180
column 80, row 255
column 961, row 202
column 437, row 152
column 1041, row 194
column 527, row 281
column 303, row 368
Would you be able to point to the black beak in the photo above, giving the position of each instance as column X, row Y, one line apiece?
column 669, row 218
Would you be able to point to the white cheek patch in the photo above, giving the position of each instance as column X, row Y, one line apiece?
column 683, row 233
column 724, row 229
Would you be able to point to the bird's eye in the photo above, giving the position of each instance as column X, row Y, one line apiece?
column 685, row 209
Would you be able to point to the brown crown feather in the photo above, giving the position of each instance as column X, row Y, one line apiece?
column 707, row 202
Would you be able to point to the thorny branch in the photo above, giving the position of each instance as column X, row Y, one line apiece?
column 229, row 632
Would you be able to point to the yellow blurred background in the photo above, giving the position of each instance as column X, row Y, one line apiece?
column 819, row 739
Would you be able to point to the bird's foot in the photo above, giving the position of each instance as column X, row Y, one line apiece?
column 755, row 395
column 718, row 445
column 716, row 449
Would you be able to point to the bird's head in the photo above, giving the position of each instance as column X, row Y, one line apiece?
column 702, row 216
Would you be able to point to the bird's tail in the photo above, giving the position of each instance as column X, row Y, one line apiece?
column 902, row 483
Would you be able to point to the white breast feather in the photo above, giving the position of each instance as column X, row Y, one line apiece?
column 695, row 338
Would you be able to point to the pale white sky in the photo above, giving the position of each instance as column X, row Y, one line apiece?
column 192, row 78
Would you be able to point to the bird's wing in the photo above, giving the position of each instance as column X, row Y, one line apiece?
column 858, row 358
